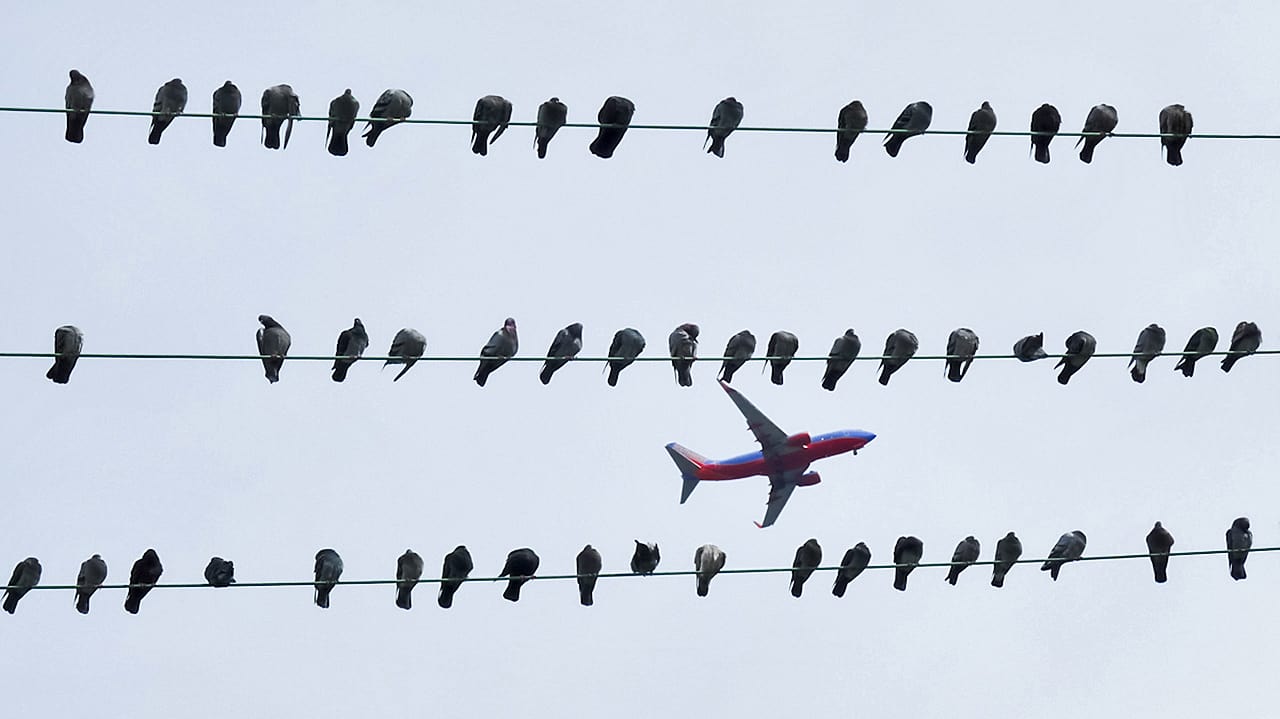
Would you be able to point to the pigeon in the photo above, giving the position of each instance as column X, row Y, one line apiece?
column 273, row 345
column 408, row 572
column 1008, row 550
column 782, row 347
column 565, row 346
column 171, row 100
column 1149, row 346
column 79, row 101
column 589, row 565
column 708, row 560
column 392, row 108
column 520, row 566
column 1030, row 348
column 1176, row 122
column 279, row 102
column 1246, row 340
column 915, row 119
column 1102, row 120
column 808, row 558
column 843, row 352
column 627, row 344
column 501, row 346
column 1047, row 120
column 736, row 353
column 67, row 342
column 1159, row 541
column 851, row 121
column 1080, row 347
column 552, row 115
column 966, row 553
column 855, row 561
column 962, row 345
column 898, row 348
column 683, row 343
column 492, row 115
column 907, row 552
column 1069, row 548
column 142, row 577
column 93, row 572
column 220, row 572
column 616, row 112
column 457, row 567
column 226, row 107
column 407, row 347
column 1202, row 342
column 25, row 576
column 351, row 346
column 724, row 120
column 1239, row 540
column 328, row 571
column 981, row 124
column 343, row 111
column 646, row 557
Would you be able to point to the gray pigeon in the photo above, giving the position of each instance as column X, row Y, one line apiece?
column 1030, row 348
column 843, row 352
column 392, row 108
column 913, row 120
column 851, row 121
column 408, row 571
column 1159, row 541
column 25, row 576
column 273, row 345
column 981, row 124
column 279, row 102
column 907, row 552
column 67, row 343
column 226, row 107
column 1102, row 120
column 898, row 348
column 966, row 553
column 724, row 120
column 502, row 346
column 1246, row 340
column 683, row 343
column 1149, row 346
column 457, row 567
column 79, row 101
column 407, row 347
column 351, row 345
column 343, row 111
column 93, row 572
column 616, row 112
column 564, row 346
column 1008, row 550
column 782, row 347
column 1080, row 347
column 142, row 577
column 736, row 353
column 1069, row 548
column 855, row 561
column 589, row 565
column 492, row 115
column 1239, row 540
column 646, row 557
column 627, row 344
column 520, row 567
column 708, row 560
column 171, row 100
column 962, row 345
column 552, row 115
column 328, row 572
column 1175, row 126
column 1045, row 119
column 220, row 572
column 808, row 558
column 1202, row 342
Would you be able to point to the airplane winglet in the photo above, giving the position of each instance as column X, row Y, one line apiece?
column 758, row 525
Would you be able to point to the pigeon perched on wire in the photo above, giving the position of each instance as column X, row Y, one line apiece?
column 408, row 571
column 273, row 345
column 328, row 572
column 907, row 552
column 808, row 558
column 220, row 572
column 343, row 111
column 1102, row 120
column 967, row 552
column 143, row 576
column 279, row 103
column 616, row 112
column 457, row 567
column 1048, row 121
column 1149, row 346
column 843, row 352
column 93, row 572
column 564, row 346
column 962, row 345
column 1202, row 342
column 351, row 346
column 588, row 565
column 782, row 347
column 1245, row 340
column 67, row 343
column 724, row 120
column 1175, row 126
column 392, row 108
column 851, row 121
column 492, row 115
column 1008, row 551
column 1080, row 347
column 913, row 120
column 1159, row 542
column 899, row 347
column 708, row 560
column 981, row 124
column 1069, row 548
column 552, row 116
column 407, row 348
column 683, row 343
column 520, row 567
column 226, row 107
column 627, row 344
column 171, row 101
column 736, row 353
column 855, row 561
column 1030, row 348
column 1239, row 541
column 25, row 576
column 646, row 557
column 78, row 101
column 502, row 346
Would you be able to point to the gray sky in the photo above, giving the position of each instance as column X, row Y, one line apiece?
column 179, row 247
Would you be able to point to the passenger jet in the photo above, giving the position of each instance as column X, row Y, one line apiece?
column 783, row 458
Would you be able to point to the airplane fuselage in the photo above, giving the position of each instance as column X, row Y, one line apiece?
column 753, row 464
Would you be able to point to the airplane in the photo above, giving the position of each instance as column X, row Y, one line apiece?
column 783, row 458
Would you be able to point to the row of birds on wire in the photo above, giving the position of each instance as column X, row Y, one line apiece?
column 522, row 564
column 492, row 117
column 409, row 346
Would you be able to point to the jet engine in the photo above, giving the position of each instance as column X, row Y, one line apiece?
column 808, row 479
column 798, row 440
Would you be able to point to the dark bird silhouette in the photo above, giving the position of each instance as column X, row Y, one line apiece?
column 899, row 347
column 343, row 111
column 906, row 554
column 1045, row 119
column 724, row 120
column 520, row 566
column 1245, row 340
column 967, row 552
column 25, row 576
column 1239, row 540
column 220, row 572
column 171, row 100
column 708, row 560
column 328, row 572
column 855, row 561
column 142, row 577
column 492, row 115
column 1102, row 120
column 646, row 558
column 273, row 345
column 589, row 565
column 279, row 103
column 68, row 340
column 226, row 107
column 1080, row 347
column 552, row 116
column 782, row 347
column 1177, row 122
column 564, row 346
column 408, row 571
column 843, row 352
column 1202, row 342
column 981, row 124
column 1159, row 541
column 78, row 101
column 736, row 353
column 962, row 345
column 914, row 120
column 850, row 123
column 683, row 343
column 457, row 567
column 1149, row 346
column 351, row 345
column 1008, row 550
column 1030, row 348
column 627, row 344
column 407, row 348
column 1069, row 548
column 808, row 558
column 502, row 346
column 617, row 113
column 392, row 108
column 93, row 572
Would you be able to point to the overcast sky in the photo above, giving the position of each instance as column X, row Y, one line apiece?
column 178, row 248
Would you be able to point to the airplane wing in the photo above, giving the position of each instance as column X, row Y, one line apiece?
column 781, row 486
column 773, row 441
